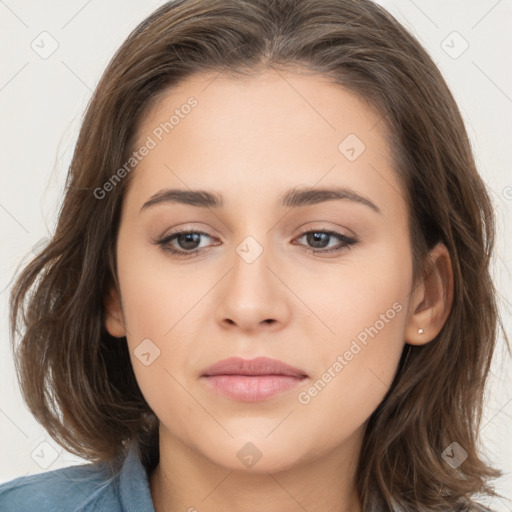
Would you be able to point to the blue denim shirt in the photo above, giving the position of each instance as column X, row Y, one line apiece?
column 82, row 488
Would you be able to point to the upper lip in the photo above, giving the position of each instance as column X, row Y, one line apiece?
column 257, row 366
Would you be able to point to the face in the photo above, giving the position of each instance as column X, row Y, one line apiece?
column 318, row 280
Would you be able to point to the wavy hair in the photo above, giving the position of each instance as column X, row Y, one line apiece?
column 77, row 379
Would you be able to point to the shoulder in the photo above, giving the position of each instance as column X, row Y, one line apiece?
column 81, row 488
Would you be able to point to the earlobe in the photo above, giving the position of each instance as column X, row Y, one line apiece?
column 431, row 298
column 113, row 318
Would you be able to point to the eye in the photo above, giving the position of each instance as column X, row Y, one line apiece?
column 183, row 243
column 320, row 240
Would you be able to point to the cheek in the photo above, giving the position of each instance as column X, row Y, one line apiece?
column 356, row 370
column 365, row 305
column 161, row 303
column 157, row 295
column 364, row 297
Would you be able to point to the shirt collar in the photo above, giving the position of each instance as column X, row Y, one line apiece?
column 134, row 490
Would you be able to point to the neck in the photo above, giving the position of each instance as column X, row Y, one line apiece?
column 185, row 480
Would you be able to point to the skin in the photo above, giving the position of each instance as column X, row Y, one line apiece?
column 251, row 140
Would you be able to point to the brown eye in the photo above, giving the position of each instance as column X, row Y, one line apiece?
column 183, row 243
column 319, row 241
column 188, row 240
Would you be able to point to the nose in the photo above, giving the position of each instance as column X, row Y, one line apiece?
column 253, row 295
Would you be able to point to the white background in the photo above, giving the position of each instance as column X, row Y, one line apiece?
column 41, row 104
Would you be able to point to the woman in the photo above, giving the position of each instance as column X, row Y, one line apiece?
column 269, row 285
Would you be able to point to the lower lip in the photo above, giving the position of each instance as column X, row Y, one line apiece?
column 252, row 388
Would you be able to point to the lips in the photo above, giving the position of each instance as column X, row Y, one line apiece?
column 251, row 367
column 252, row 380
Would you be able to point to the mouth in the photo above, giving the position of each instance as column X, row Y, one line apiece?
column 251, row 380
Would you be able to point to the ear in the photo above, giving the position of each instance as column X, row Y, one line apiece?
column 431, row 299
column 114, row 321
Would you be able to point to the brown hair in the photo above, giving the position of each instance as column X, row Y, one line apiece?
column 77, row 379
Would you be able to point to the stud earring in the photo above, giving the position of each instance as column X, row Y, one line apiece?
column 420, row 331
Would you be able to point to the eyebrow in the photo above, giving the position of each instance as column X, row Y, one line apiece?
column 294, row 198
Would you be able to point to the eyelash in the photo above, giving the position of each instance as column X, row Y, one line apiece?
column 346, row 242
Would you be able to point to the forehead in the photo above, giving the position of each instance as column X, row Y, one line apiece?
column 277, row 129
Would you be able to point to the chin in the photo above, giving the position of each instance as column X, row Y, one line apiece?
column 248, row 454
